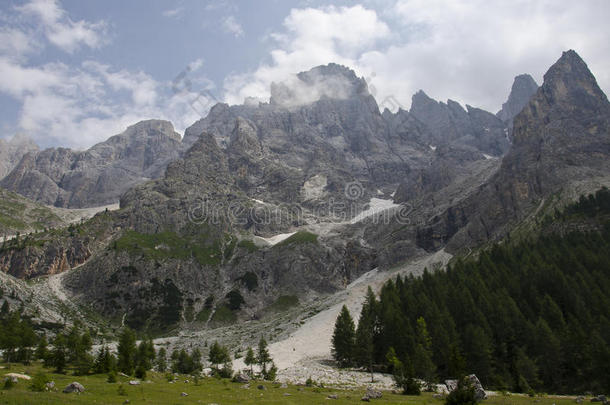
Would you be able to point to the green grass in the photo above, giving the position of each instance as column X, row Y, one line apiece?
column 165, row 245
column 223, row 316
column 300, row 237
column 284, row 302
column 248, row 245
column 211, row 390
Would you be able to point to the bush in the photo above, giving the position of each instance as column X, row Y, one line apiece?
column 8, row 383
column 121, row 390
column 309, row 382
column 39, row 382
column 464, row 394
column 111, row 377
column 140, row 372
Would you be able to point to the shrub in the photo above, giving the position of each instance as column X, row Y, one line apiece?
column 140, row 372
column 121, row 390
column 8, row 383
column 464, row 394
column 111, row 377
column 39, row 382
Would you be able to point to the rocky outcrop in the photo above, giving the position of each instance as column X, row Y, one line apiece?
column 12, row 150
column 99, row 175
column 450, row 123
column 524, row 87
column 561, row 138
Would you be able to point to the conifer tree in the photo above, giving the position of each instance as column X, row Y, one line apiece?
column 343, row 338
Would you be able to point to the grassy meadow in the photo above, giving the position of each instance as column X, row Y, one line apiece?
column 158, row 390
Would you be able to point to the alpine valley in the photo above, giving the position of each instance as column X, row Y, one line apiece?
column 267, row 218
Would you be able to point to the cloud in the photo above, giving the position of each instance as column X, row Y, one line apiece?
column 174, row 12
column 311, row 37
column 79, row 106
column 468, row 51
column 61, row 30
column 231, row 26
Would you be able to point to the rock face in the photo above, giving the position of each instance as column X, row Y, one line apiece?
column 524, row 87
column 450, row 123
column 99, row 175
column 12, row 150
column 561, row 138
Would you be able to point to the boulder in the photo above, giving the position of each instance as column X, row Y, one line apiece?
column 242, row 378
column 478, row 387
column 184, row 394
column 332, row 396
column 134, row 382
column 262, row 387
column 365, row 398
column 50, row 386
column 74, row 387
column 373, row 393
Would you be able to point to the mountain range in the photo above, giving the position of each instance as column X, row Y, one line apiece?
column 287, row 201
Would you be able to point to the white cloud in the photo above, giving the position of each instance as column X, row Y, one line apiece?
column 174, row 12
column 59, row 28
column 231, row 26
column 468, row 51
column 311, row 37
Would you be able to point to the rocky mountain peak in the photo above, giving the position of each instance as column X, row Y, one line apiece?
column 148, row 128
column 524, row 87
column 331, row 81
column 569, row 94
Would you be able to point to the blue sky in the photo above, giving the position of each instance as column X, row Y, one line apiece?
column 73, row 73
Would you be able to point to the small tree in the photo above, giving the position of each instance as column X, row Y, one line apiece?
column 127, row 351
column 161, row 360
column 42, row 350
column 464, row 394
column 263, row 357
column 343, row 338
column 250, row 360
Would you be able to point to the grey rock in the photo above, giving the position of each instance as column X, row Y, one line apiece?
column 365, row 398
column 261, row 387
column 242, row 378
column 373, row 393
column 184, row 394
column 50, row 385
column 332, row 396
column 99, row 175
column 134, row 382
column 74, row 387
column 523, row 89
column 450, row 123
column 12, row 150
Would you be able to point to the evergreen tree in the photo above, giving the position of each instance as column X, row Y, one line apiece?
column 161, row 360
column 250, row 360
column 422, row 356
column 262, row 356
column 343, row 338
column 127, row 352
column 42, row 350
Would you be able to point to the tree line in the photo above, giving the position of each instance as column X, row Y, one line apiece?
column 72, row 350
column 529, row 316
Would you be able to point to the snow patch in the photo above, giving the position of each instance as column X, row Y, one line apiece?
column 489, row 157
column 432, row 147
column 274, row 240
column 376, row 205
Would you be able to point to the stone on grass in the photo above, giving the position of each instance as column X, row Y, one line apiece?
column 242, row 378
column 332, row 396
column 184, row 394
column 134, row 382
column 74, row 387
column 262, row 387
column 373, row 393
